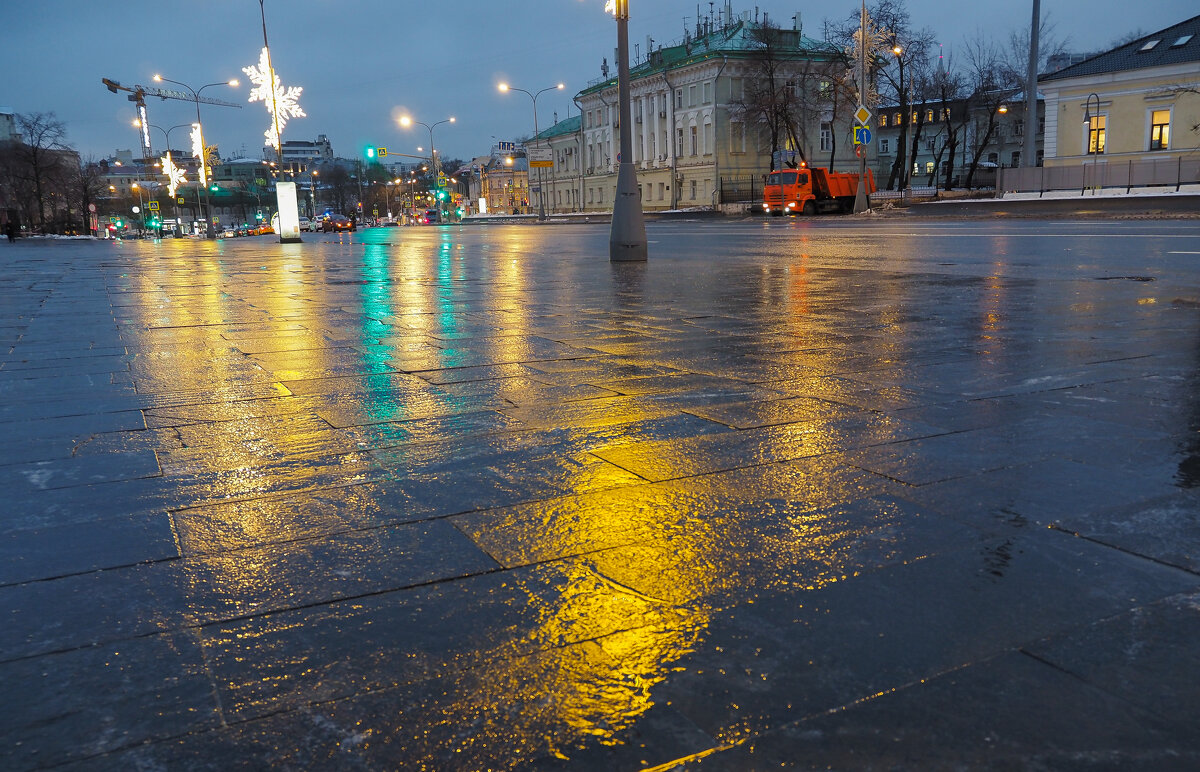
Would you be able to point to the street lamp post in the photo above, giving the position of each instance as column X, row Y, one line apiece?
column 627, row 237
column 167, row 139
column 1094, row 145
column 504, row 88
column 406, row 121
column 195, row 92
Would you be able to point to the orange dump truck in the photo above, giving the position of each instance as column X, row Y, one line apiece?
column 811, row 190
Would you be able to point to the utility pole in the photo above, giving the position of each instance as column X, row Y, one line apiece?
column 1029, row 148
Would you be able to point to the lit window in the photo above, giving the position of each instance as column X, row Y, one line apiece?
column 1095, row 134
column 883, row 120
column 1160, row 129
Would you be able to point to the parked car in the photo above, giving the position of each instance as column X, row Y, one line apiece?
column 337, row 222
column 305, row 224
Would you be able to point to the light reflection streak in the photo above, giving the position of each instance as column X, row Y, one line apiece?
column 617, row 617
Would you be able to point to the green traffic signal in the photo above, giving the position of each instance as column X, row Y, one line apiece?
column 370, row 151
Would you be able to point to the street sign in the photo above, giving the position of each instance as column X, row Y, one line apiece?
column 506, row 147
column 152, row 206
column 540, row 157
column 382, row 152
column 92, row 208
column 179, row 200
column 860, row 151
column 441, row 180
column 862, row 115
column 862, row 135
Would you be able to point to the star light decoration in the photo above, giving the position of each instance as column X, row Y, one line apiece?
column 268, row 90
column 174, row 174
column 198, row 152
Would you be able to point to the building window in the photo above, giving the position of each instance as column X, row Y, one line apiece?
column 1016, row 159
column 692, row 96
column 693, row 135
column 1160, row 129
column 929, row 167
column 885, row 146
column 678, row 98
column 929, row 115
column 708, row 139
column 883, row 119
column 1019, row 129
column 678, row 142
column 1095, row 134
column 737, row 137
column 896, row 119
column 693, row 190
column 826, row 137
column 660, row 191
column 994, row 158
column 707, row 92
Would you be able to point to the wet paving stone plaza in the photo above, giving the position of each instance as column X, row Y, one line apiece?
column 848, row 494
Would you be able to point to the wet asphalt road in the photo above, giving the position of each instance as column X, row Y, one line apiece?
column 836, row 494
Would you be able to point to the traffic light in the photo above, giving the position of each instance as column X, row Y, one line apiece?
column 258, row 216
column 370, row 152
column 441, row 195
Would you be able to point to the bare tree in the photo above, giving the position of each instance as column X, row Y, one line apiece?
column 767, row 94
column 39, row 153
column 87, row 185
column 951, row 99
column 992, row 85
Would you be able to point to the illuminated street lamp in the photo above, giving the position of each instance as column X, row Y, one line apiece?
column 627, row 238
column 198, row 139
column 406, row 121
column 173, row 173
column 505, row 88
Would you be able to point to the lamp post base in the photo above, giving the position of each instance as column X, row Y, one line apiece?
column 627, row 239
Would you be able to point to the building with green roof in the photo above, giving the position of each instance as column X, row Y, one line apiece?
column 701, row 135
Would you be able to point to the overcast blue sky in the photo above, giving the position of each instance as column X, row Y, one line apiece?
column 364, row 62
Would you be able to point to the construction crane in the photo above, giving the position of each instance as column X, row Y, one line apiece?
column 137, row 95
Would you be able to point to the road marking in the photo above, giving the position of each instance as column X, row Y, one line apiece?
column 1183, row 253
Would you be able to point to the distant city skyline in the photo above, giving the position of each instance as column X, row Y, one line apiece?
column 363, row 64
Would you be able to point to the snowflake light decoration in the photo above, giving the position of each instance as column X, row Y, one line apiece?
column 173, row 172
column 268, row 90
column 198, row 152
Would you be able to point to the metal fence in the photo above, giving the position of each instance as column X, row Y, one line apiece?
column 1099, row 174
column 741, row 189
